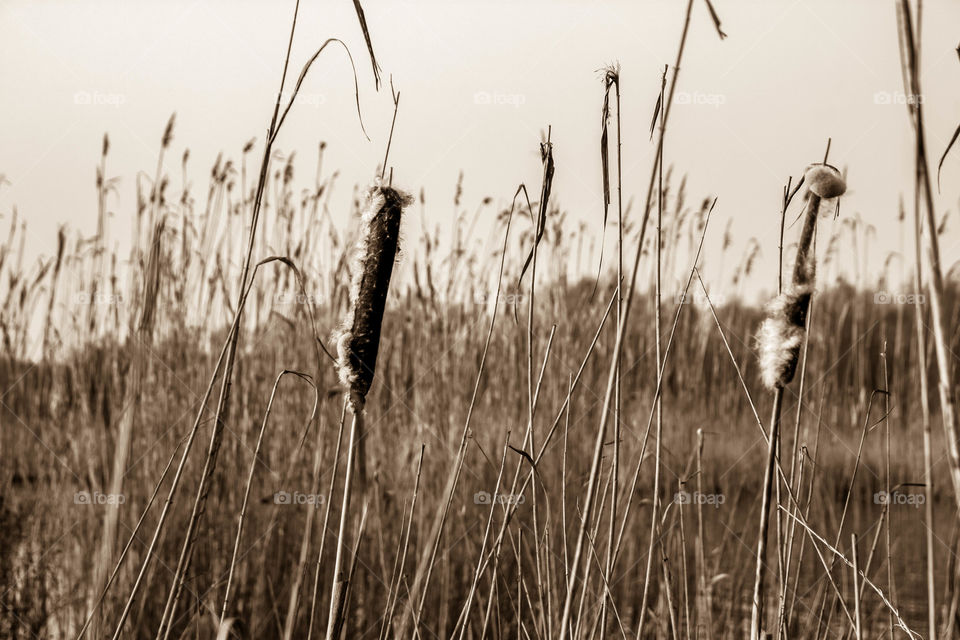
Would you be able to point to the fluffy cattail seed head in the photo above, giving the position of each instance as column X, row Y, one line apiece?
column 358, row 338
column 782, row 331
column 781, row 336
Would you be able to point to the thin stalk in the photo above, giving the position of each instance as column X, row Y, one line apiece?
column 756, row 615
column 658, row 404
column 856, row 589
column 340, row 579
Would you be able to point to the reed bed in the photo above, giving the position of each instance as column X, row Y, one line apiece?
column 477, row 438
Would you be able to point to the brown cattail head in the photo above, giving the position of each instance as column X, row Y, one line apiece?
column 358, row 339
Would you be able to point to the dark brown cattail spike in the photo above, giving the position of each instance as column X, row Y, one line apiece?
column 358, row 339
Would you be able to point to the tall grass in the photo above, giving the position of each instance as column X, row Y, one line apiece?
column 497, row 499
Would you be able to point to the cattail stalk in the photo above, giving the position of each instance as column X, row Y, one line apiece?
column 782, row 335
column 326, row 520
column 340, row 580
column 358, row 342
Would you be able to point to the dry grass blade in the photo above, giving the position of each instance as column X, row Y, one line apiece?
column 366, row 37
column 303, row 74
column 546, row 154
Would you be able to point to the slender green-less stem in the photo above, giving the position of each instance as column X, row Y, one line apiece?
column 927, row 447
column 326, row 518
column 756, row 614
column 338, row 593
column 683, row 564
column 530, row 441
column 795, row 458
column 886, row 477
column 658, row 403
column 615, row 481
column 856, row 588
column 704, row 607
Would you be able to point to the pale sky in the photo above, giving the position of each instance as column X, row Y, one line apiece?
column 751, row 110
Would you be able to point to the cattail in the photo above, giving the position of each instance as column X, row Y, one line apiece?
column 781, row 334
column 358, row 339
column 780, row 338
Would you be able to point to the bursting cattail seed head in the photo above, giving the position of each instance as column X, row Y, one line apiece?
column 782, row 332
column 358, row 338
column 781, row 336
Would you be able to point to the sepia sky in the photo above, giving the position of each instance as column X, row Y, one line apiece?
column 479, row 82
